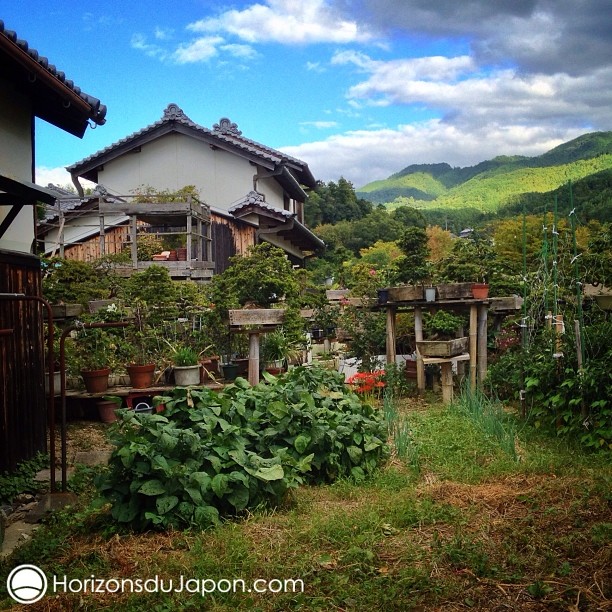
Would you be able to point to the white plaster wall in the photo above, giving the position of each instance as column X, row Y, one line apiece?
column 16, row 162
column 175, row 160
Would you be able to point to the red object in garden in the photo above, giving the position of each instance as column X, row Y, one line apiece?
column 96, row 381
column 480, row 291
column 366, row 383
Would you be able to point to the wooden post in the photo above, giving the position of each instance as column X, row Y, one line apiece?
column 482, row 343
column 189, row 223
column 447, row 381
column 200, row 242
column 253, row 358
column 391, row 334
column 473, row 344
column 134, row 233
column 102, row 240
column 418, row 335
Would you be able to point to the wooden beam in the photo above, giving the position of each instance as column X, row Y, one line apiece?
column 133, row 235
column 482, row 343
column 253, row 359
column 447, row 382
column 473, row 344
column 418, row 335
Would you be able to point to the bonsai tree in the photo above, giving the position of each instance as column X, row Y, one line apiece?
column 414, row 266
column 263, row 276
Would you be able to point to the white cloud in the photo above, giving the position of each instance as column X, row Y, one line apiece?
column 163, row 33
column 240, row 51
column 287, row 22
column 320, row 125
column 57, row 176
column 139, row 42
column 200, row 50
column 362, row 156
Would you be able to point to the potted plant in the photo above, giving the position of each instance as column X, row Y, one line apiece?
column 277, row 350
column 93, row 351
column 141, row 365
column 186, row 366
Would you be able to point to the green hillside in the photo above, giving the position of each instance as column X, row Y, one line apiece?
column 494, row 183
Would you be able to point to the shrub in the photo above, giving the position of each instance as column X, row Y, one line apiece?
column 213, row 454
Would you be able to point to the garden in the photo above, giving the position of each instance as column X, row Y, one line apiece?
column 357, row 493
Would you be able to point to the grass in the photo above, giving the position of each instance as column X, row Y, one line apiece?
column 455, row 522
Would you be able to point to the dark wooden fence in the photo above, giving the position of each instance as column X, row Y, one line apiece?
column 23, row 412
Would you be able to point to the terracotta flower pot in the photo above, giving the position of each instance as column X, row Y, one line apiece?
column 480, row 291
column 141, row 376
column 96, row 381
column 106, row 410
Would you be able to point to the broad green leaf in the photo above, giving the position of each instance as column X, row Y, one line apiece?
column 165, row 503
column 274, row 472
column 195, row 494
column 220, row 485
column 205, row 516
column 278, row 409
column 152, row 487
column 355, row 453
column 301, row 443
column 167, row 442
column 239, row 497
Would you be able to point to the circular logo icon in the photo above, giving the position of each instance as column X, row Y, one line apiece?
column 26, row 584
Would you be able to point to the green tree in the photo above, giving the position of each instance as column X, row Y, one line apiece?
column 414, row 266
column 334, row 202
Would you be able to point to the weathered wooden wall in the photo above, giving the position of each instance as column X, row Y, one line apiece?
column 228, row 239
column 23, row 413
column 115, row 240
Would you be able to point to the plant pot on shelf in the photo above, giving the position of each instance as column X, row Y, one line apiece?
column 187, row 376
column 480, row 291
column 181, row 253
column 317, row 333
column 430, row 294
column 383, row 296
column 210, row 368
column 96, row 381
column 106, row 410
column 230, row 371
column 141, row 376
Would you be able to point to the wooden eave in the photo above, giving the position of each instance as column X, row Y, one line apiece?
column 53, row 100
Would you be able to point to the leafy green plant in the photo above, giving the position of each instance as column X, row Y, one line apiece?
column 185, row 356
column 21, row 480
column 214, row 454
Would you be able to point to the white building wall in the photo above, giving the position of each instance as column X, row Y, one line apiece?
column 175, row 160
column 16, row 162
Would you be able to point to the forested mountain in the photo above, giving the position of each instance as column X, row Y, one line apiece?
column 499, row 183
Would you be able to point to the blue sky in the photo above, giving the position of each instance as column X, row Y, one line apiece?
column 358, row 89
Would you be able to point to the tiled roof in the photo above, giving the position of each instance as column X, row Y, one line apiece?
column 225, row 131
column 98, row 112
column 254, row 198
